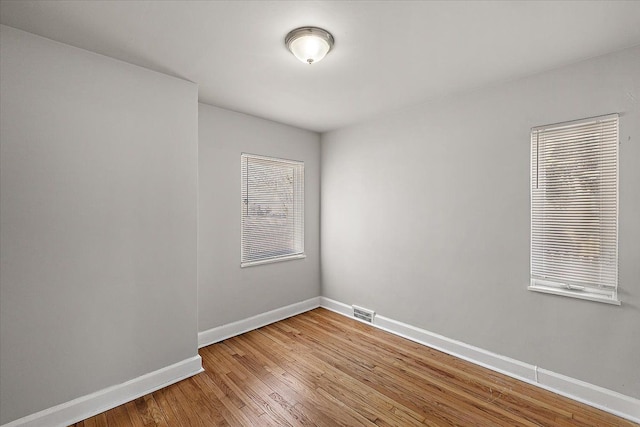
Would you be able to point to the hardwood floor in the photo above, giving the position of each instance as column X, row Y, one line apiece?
column 320, row 368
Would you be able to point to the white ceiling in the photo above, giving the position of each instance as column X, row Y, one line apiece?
column 388, row 54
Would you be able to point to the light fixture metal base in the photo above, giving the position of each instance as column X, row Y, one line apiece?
column 313, row 32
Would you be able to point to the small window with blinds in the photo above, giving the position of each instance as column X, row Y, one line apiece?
column 272, row 210
column 574, row 209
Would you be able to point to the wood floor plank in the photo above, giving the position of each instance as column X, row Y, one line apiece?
column 118, row 417
column 231, row 413
column 326, row 380
column 101, row 419
column 466, row 389
column 294, row 399
column 354, row 363
column 249, row 408
column 150, row 411
column 308, row 375
column 322, row 369
column 164, row 405
column 134, row 414
column 325, row 376
column 169, row 400
column 463, row 376
column 207, row 410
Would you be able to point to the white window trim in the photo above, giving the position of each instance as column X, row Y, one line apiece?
column 272, row 260
column 579, row 292
column 568, row 290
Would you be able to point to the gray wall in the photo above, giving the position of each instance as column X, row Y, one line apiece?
column 98, row 199
column 226, row 292
column 425, row 218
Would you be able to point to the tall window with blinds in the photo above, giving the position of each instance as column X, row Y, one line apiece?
column 272, row 210
column 574, row 209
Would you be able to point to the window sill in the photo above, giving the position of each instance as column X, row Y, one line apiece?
column 272, row 260
column 579, row 294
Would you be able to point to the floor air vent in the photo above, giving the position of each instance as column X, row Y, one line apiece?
column 363, row 313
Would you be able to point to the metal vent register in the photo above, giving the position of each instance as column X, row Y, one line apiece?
column 363, row 314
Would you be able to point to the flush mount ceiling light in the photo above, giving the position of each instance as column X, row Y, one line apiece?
column 309, row 44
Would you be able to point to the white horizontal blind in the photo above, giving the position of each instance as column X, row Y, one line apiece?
column 574, row 207
column 272, row 209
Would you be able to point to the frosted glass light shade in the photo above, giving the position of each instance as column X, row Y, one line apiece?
column 309, row 49
column 309, row 44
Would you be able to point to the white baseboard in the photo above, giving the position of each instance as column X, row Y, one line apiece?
column 92, row 404
column 610, row 401
column 220, row 333
column 87, row 406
